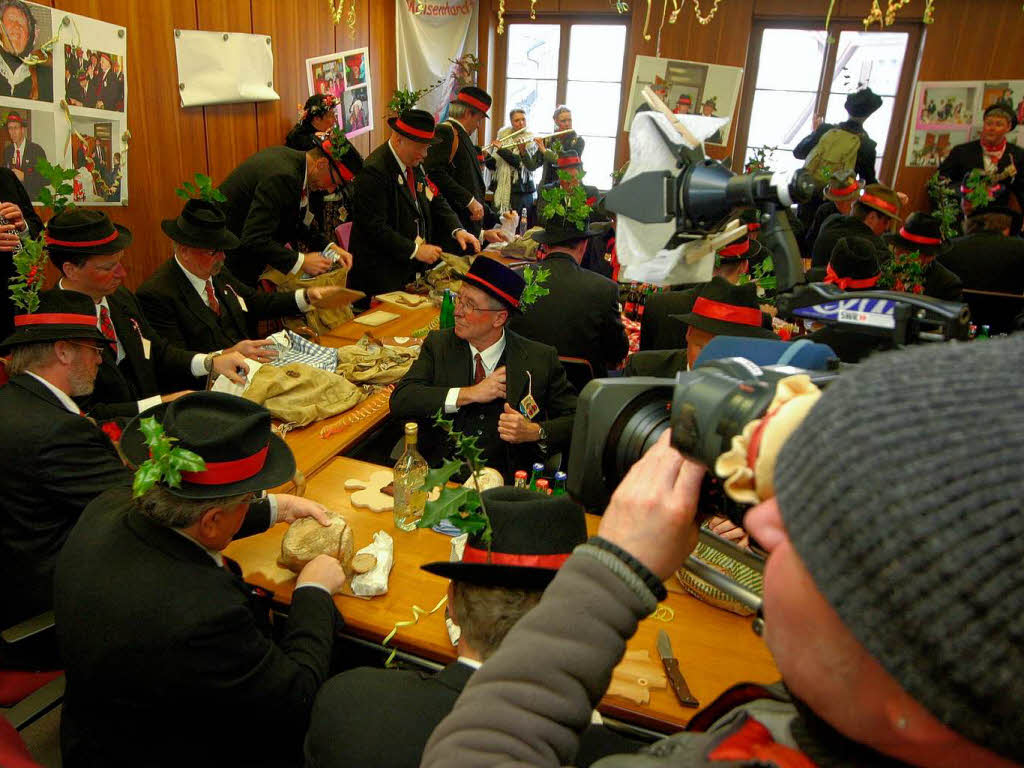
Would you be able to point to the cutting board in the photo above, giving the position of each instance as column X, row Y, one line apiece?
column 373, row 319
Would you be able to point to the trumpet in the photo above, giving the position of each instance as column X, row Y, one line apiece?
column 514, row 138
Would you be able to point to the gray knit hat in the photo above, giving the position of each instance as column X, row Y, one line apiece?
column 902, row 493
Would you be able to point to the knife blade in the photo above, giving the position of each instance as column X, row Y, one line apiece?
column 675, row 676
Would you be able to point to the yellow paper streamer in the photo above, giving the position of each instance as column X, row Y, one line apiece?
column 647, row 20
column 417, row 612
column 664, row 613
column 705, row 20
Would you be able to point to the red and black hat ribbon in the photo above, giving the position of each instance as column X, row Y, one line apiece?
column 552, row 562
column 413, row 131
column 228, row 472
column 885, row 205
column 569, row 162
column 717, row 310
column 82, row 243
column 736, row 249
column 508, row 297
column 55, row 318
column 465, row 98
column 847, row 283
column 920, row 239
column 847, row 190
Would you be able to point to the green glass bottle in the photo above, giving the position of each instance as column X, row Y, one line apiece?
column 447, row 310
column 538, row 468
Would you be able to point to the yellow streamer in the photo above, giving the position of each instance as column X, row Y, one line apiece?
column 417, row 613
column 664, row 613
column 647, row 20
column 705, row 20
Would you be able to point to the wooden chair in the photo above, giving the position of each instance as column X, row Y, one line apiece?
column 577, row 370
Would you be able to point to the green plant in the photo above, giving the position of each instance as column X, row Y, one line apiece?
column 534, row 285
column 979, row 188
column 56, row 194
column 165, row 462
column 946, row 205
column 763, row 276
column 403, row 99
column 29, row 263
column 202, row 189
column 903, row 272
column 463, row 507
column 567, row 201
column 760, row 159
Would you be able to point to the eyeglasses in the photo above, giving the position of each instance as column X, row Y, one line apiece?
column 98, row 349
column 469, row 306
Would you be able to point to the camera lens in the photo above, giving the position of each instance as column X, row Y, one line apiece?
column 635, row 431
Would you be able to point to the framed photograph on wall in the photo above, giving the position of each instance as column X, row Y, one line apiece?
column 346, row 76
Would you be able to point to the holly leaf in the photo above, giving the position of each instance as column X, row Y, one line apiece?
column 202, row 180
column 145, row 478
column 171, row 476
column 186, row 460
column 470, row 451
column 470, row 524
column 441, row 422
column 150, row 428
column 438, row 478
column 446, row 506
column 181, row 193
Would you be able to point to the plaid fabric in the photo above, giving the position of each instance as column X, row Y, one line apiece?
column 292, row 348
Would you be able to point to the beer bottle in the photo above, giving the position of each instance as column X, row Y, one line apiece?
column 520, row 478
column 559, row 489
column 447, row 319
column 538, row 468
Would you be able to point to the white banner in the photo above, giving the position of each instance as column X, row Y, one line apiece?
column 429, row 45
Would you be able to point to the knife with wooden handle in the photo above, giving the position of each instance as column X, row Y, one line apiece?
column 675, row 677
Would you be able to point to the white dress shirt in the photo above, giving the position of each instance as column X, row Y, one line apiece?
column 489, row 357
column 200, row 285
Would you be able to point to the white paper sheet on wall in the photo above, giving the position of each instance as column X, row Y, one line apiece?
column 223, row 67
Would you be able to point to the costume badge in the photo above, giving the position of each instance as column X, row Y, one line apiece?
column 528, row 406
column 308, row 218
column 430, row 192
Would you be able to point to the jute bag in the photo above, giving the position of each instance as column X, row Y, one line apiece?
column 320, row 320
column 302, row 394
column 369, row 362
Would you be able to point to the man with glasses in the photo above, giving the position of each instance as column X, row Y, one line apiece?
column 55, row 460
column 509, row 391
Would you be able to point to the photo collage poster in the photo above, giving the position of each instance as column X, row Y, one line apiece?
column 346, row 76
column 945, row 114
column 63, row 97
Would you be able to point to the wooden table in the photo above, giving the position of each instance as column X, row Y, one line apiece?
column 715, row 649
column 408, row 320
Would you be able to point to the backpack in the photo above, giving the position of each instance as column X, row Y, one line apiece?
column 835, row 151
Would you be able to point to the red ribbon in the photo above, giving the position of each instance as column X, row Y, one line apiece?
column 510, row 299
column 846, row 283
column 736, row 249
column 413, row 131
column 885, row 205
column 921, row 239
column 552, row 562
column 55, row 318
column 225, row 472
column 465, row 98
column 568, row 162
column 845, row 190
column 995, row 148
column 82, row 243
column 717, row 310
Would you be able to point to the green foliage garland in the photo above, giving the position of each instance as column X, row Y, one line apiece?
column 29, row 263
column 903, row 273
column 946, row 203
column 165, row 463
column 56, row 195
column 568, row 204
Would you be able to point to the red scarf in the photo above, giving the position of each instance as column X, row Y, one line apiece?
column 994, row 151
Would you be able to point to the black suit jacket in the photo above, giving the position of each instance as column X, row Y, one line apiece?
column 866, row 153
column 55, row 462
column 342, row 735
column 660, row 363
column 941, row 283
column 987, row 261
column 13, row 191
column 386, row 220
column 837, row 227
column 964, row 158
column 34, row 182
column 179, row 315
column 120, row 386
column 150, row 627
column 580, row 316
column 263, row 196
column 445, row 362
column 459, row 180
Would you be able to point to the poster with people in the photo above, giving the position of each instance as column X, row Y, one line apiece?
column 346, row 76
column 948, row 113
column 63, row 98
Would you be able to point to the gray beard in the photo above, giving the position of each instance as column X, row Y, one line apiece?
column 81, row 381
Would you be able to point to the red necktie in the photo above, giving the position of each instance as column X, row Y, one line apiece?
column 211, row 298
column 410, row 180
column 107, row 327
column 479, row 374
column 17, row 158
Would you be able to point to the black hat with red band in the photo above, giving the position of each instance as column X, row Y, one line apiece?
column 474, row 97
column 231, row 434
column 853, row 265
column 495, row 279
column 532, row 535
column 61, row 316
column 415, row 124
column 920, row 232
column 725, row 309
column 79, row 232
column 345, row 159
column 744, row 249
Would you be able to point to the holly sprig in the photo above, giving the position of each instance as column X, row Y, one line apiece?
column 200, row 188
column 56, row 195
column 166, row 462
column 534, row 289
column 946, row 204
column 29, row 264
column 979, row 188
column 568, row 203
column 462, row 507
column 340, row 145
column 903, row 272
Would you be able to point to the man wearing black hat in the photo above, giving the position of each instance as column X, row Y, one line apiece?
column 922, row 234
column 154, row 622
column 138, row 364
column 400, row 219
column 580, row 316
column 871, row 216
column 55, row 460
column 268, row 208
column 986, row 258
column 195, row 303
column 992, row 153
column 532, row 537
column 509, row 391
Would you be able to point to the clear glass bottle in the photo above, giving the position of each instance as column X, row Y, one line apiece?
column 410, row 474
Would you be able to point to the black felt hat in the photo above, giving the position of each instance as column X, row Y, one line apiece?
column 920, row 232
column 863, row 103
column 728, row 310
column 231, row 434
column 84, row 232
column 415, row 124
column 61, row 315
column 744, row 249
column 201, row 224
column 532, row 535
column 1004, row 110
column 558, row 229
column 495, row 279
column 853, row 264
column 474, row 97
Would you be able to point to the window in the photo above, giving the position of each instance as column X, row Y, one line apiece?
column 547, row 64
column 800, row 73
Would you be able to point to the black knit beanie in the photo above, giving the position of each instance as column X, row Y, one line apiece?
column 902, row 492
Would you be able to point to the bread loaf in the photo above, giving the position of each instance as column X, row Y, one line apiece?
column 306, row 538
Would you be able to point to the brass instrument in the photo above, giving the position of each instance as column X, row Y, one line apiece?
column 513, row 139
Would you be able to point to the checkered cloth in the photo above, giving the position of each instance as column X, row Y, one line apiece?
column 292, row 348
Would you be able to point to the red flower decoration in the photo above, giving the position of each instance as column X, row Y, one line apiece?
column 112, row 430
column 433, row 187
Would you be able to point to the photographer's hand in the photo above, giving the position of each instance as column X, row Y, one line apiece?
column 651, row 514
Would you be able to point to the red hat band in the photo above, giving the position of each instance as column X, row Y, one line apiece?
column 552, row 562
column 849, row 190
column 885, row 205
column 465, row 98
column 846, row 283
column 508, row 297
column 736, row 249
column 717, row 310
column 82, row 243
column 920, row 239
column 414, row 131
column 55, row 318
column 227, row 472
column 569, row 162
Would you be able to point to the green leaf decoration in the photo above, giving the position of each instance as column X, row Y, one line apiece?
column 58, row 179
column 903, row 273
column 166, row 462
column 441, row 477
column 29, row 270
column 945, row 205
column 534, row 277
column 200, row 188
column 979, row 188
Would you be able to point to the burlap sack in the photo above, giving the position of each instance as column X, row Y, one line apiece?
column 446, row 274
column 302, row 394
column 523, row 248
column 306, row 538
column 320, row 320
column 369, row 362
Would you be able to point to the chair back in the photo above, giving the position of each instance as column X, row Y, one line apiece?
column 577, row 370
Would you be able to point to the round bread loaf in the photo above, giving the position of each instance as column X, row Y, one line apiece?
column 306, row 538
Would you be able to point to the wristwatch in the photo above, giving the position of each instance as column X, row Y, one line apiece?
column 543, row 436
column 208, row 362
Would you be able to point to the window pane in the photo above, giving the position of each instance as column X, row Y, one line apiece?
column 598, row 161
column 533, row 50
column 791, row 59
column 877, row 125
column 873, row 59
column 779, row 161
column 596, row 51
column 595, row 107
column 536, row 98
column 780, row 118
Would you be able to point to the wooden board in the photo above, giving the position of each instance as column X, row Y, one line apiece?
column 404, row 300
column 375, row 318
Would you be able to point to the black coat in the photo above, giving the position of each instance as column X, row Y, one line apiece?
column 445, row 362
column 342, row 735
column 120, row 386
column 54, row 463
column 580, row 317
column 459, row 180
column 660, row 363
column 987, row 261
column 13, row 191
column 964, row 158
column 262, row 208
column 941, row 283
column 34, row 182
column 386, row 221
column 866, row 153
column 41, row 79
column 658, row 329
column 179, row 315
column 823, row 212
column 837, row 227
column 849, row 346
column 150, row 627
